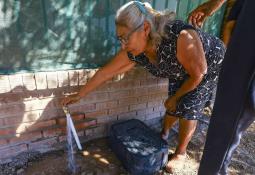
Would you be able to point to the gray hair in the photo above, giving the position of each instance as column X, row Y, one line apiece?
column 130, row 15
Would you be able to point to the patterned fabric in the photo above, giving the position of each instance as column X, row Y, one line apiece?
column 191, row 105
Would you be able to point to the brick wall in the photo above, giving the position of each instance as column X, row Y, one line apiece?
column 31, row 117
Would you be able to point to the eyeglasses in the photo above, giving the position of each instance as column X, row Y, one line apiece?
column 124, row 39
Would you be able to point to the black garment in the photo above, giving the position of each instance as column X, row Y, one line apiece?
column 234, row 108
column 235, row 10
column 191, row 105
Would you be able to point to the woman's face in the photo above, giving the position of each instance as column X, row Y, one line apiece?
column 133, row 40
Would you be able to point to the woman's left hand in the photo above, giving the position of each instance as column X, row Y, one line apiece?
column 171, row 103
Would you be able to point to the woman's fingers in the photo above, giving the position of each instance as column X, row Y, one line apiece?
column 70, row 100
column 64, row 102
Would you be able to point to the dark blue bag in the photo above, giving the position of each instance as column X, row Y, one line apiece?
column 140, row 149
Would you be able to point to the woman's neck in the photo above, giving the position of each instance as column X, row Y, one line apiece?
column 150, row 52
column 150, row 48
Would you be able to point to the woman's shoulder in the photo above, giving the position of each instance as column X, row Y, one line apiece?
column 176, row 26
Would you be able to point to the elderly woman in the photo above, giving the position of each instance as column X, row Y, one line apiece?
column 167, row 48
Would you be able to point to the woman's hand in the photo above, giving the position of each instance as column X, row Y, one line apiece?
column 198, row 16
column 70, row 99
column 171, row 103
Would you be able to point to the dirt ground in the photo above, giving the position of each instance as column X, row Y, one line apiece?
column 98, row 159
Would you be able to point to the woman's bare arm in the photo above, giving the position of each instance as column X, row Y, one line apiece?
column 119, row 64
column 191, row 55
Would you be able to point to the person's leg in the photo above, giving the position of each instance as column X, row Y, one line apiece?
column 168, row 123
column 186, row 131
column 233, row 85
column 246, row 120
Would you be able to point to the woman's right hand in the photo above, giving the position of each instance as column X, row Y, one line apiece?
column 70, row 99
column 198, row 16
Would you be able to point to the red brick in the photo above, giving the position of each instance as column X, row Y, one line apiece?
column 63, row 79
column 106, row 105
column 91, row 72
column 55, row 103
column 143, row 99
column 149, row 82
column 164, row 87
column 82, row 108
column 26, row 137
column 40, row 125
column 153, row 89
column 52, row 113
column 149, row 75
column 43, row 145
column 21, row 128
column 119, row 94
column 1, row 122
column 158, row 96
column 96, row 114
column 109, row 86
column 45, row 93
column 52, row 80
column 127, row 115
column 52, row 132
column 7, row 131
column 31, row 116
column 75, row 117
column 73, row 78
column 90, row 133
column 70, row 90
column 12, row 120
column 29, row 81
column 95, row 97
column 62, row 138
column 83, row 125
column 4, row 84
column 107, row 119
column 127, row 101
column 153, row 115
column 10, row 98
column 41, row 81
column 106, row 87
column 118, row 110
column 139, row 92
column 12, row 151
column 29, row 95
column 118, row 78
column 136, row 73
column 100, row 131
column 16, row 83
column 124, row 84
column 159, row 108
column 137, row 106
column 80, row 133
column 59, row 92
column 3, row 142
column 8, row 110
column 163, row 81
column 82, row 77
column 144, row 112
column 38, row 104
column 154, row 103
column 23, row 117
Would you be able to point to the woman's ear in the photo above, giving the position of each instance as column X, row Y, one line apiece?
column 147, row 28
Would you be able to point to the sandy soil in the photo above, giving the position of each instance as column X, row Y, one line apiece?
column 98, row 159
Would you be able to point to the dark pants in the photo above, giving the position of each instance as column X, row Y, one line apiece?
column 234, row 104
